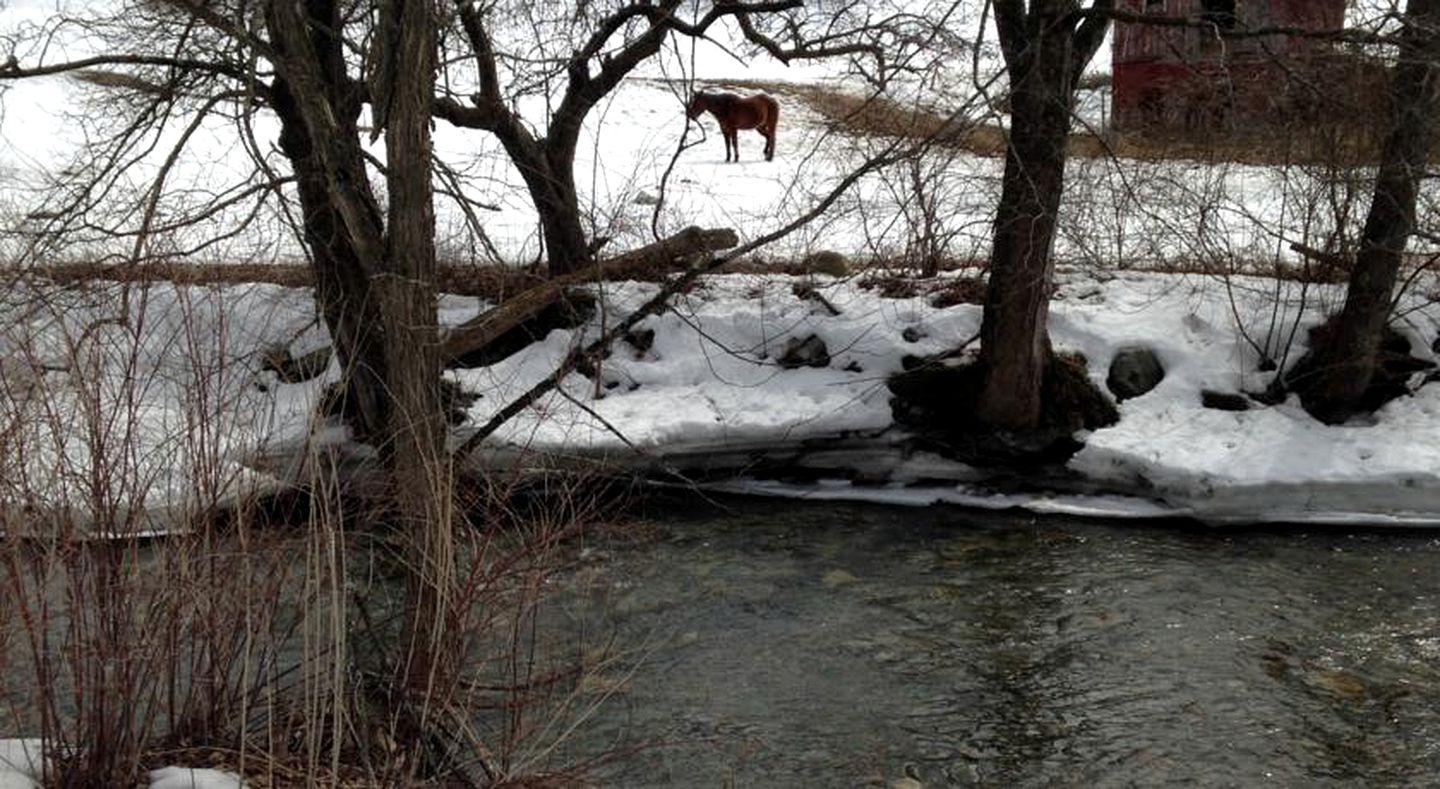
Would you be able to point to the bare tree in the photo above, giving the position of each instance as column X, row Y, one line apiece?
column 1333, row 378
column 1046, row 45
column 572, row 56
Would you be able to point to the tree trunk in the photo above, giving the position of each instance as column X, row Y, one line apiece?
column 478, row 332
column 419, row 468
column 1335, row 376
column 550, row 179
column 566, row 249
column 342, row 288
column 376, row 285
column 1015, row 344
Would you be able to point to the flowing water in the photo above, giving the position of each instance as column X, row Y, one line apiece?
column 770, row 643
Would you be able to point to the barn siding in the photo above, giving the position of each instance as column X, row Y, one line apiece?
column 1189, row 78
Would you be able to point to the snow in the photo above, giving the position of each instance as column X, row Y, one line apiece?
column 21, row 760
column 190, row 778
column 83, row 392
column 20, row 763
column 710, row 386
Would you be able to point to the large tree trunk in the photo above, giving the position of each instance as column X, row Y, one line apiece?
column 1334, row 377
column 548, row 172
column 1015, row 345
column 342, row 287
column 420, row 469
column 1044, row 62
column 566, row 248
column 376, row 285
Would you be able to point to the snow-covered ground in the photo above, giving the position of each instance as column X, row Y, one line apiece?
column 168, row 403
column 21, row 768
column 710, row 384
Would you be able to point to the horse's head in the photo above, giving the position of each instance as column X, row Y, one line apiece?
column 696, row 106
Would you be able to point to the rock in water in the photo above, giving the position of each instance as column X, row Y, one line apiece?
column 1134, row 371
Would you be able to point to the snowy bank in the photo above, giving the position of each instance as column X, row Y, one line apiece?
column 21, row 767
column 699, row 392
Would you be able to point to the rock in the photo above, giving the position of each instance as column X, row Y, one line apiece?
column 456, row 401
column 913, row 334
column 836, row 578
column 642, row 340
column 293, row 369
column 808, row 292
column 909, row 780
column 645, row 198
column 1224, row 401
column 1134, row 371
column 809, row 352
column 827, row 262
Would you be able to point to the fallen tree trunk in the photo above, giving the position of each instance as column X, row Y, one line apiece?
column 493, row 283
column 697, row 264
column 485, row 328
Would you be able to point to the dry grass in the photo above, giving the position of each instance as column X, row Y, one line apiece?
column 882, row 117
column 268, row 648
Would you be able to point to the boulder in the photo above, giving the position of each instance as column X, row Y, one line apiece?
column 292, row 369
column 642, row 340
column 1224, row 401
column 807, row 352
column 1134, row 371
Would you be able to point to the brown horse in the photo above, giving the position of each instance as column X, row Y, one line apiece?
column 733, row 112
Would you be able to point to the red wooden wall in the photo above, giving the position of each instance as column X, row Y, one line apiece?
column 1188, row 77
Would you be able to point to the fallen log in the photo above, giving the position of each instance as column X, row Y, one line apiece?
column 485, row 328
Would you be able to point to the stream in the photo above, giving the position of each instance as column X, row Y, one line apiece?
column 780, row 643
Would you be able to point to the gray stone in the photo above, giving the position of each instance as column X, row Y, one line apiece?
column 1134, row 371
column 809, row 352
column 293, row 369
column 1224, row 401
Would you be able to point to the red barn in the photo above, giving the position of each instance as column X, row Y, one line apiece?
column 1190, row 78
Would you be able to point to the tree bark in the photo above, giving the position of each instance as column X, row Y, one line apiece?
column 1045, row 53
column 480, row 331
column 419, row 467
column 1333, row 379
column 341, row 282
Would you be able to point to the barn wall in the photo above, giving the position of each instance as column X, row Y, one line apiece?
column 1190, row 78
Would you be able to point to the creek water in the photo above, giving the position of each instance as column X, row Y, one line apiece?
column 780, row 643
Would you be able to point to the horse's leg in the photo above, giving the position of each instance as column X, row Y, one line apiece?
column 731, row 143
column 771, row 123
